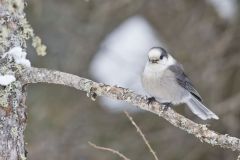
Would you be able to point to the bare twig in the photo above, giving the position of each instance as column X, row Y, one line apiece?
column 142, row 135
column 37, row 75
column 109, row 149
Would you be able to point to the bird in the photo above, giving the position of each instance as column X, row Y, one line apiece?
column 164, row 79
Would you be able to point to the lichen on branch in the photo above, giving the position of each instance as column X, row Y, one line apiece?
column 15, row 29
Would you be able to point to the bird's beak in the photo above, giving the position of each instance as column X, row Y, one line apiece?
column 153, row 61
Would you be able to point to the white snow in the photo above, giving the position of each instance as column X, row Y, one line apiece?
column 19, row 56
column 122, row 57
column 6, row 79
column 23, row 61
column 227, row 9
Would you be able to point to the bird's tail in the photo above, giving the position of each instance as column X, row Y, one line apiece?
column 199, row 109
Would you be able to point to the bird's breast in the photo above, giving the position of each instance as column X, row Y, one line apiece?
column 162, row 85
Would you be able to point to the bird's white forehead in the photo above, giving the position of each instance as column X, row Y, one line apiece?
column 154, row 53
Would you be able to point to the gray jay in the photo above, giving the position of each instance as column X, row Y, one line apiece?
column 164, row 79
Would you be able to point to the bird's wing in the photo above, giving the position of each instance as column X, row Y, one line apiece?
column 183, row 80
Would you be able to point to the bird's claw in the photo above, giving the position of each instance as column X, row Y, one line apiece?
column 150, row 100
column 166, row 105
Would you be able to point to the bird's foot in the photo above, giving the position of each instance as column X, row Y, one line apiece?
column 166, row 105
column 150, row 100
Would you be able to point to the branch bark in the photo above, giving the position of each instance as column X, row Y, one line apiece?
column 14, row 30
column 93, row 89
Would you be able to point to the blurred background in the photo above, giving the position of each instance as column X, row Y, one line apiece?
column 107, row 41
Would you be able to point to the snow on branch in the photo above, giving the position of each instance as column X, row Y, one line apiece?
column 6, row 79
column 93, row 89
column 19, row 56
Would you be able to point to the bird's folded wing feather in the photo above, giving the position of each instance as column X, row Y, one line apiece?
column 183, row 80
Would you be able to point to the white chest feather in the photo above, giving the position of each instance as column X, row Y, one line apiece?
column 161, row 83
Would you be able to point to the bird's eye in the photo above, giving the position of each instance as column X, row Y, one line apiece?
column 161, row 57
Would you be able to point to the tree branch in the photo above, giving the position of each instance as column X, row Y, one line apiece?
column 109, row 150
column 14, row 31
column 142, row 135
column 38, row 75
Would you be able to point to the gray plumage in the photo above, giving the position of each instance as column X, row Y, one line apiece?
column 183, row 80
column 164, row 79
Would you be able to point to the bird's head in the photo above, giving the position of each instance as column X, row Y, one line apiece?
column 158, row 55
